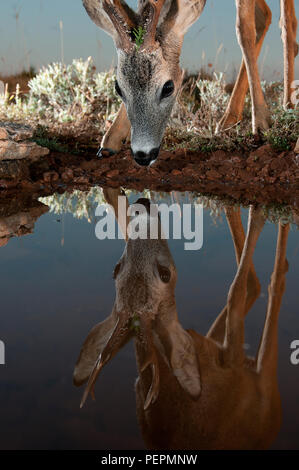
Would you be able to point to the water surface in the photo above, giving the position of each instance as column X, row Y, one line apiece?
column 56, row 284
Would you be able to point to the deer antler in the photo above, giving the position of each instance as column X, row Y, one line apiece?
column 151, row 22
column 121, row 21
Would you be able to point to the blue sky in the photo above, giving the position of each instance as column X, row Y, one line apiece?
column 34, row 38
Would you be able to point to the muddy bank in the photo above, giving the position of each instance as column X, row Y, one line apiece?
column 263, row 176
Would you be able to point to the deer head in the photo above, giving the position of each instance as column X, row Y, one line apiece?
column 144, row 308
column 148, row 72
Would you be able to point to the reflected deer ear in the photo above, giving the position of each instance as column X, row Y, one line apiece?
column 183, row 359
column 92, row 348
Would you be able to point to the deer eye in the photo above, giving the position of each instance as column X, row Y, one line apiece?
column 117, row 89
column 167, row 89
column 164, row 274
column 116, row 270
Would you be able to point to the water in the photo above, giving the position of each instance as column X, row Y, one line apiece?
column 56, row 284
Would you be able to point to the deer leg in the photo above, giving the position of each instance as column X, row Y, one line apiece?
column 233, row 216
column 234, row 111
column 268, row 350
column 116, row 135
column 111, row 196
column 288, row 25
column 236, row 300
column 246, row 33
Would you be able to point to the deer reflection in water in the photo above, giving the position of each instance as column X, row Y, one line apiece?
column 193, row 391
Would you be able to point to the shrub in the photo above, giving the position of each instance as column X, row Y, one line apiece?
column 63, row 93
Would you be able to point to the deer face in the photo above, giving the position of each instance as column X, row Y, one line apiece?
column 144, row 308
column 148, row 73
column 148, row 86
column 145, row 276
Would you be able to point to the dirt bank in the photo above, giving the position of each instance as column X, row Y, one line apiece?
column 263, row 176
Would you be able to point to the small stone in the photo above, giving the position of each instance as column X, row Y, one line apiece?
column 237, row 159
column 90, row 165
column 153, row 172
column 131, row 171
column 263, row 153
column 10, row 150
column 16, row 131
column 176, row 173
column 6, row 184
column 81, row 180
column 67, row 175
column 219, row 155
column 252, row 159
column 244, row 175
column 189, row 171
column 112, row 173
column 275, row 164
column 296, row 149
column 50, row 176
column 165, row 155
column 213, row 175
column 3, row 134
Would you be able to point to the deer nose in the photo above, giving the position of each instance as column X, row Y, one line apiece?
column 144, row 159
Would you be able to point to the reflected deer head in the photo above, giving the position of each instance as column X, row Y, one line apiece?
column 193, row 391
column 144, row 308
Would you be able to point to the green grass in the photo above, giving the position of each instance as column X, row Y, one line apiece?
column 138, row 34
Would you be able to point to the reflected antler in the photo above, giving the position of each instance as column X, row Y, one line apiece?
column 152, row 22
column 121, row 21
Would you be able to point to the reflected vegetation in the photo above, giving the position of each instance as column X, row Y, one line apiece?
column 81, row 204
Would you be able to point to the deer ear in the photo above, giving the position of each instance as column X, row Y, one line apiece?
column 98, row 16
column 182, row 358
column 181, row 16
column 96, row 12
column 184, row 361
column 92, row 348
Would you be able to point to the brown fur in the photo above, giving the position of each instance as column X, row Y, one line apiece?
column 253, row 21
column 194, row 391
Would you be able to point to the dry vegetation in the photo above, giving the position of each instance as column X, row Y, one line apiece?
column 71, row 106
column 21, row 79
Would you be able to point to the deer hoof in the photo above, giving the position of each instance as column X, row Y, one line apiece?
column 105, row 152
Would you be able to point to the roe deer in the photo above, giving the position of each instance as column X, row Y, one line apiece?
column 193, row 391
column 149, row 74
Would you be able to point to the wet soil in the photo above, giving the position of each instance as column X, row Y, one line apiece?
column 263, row 176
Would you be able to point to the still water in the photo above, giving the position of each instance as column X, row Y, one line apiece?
column 56, row 284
